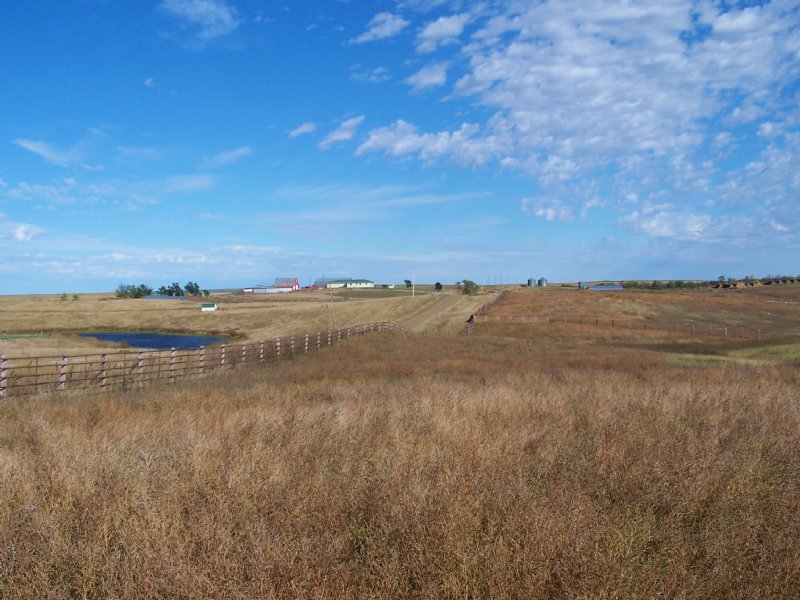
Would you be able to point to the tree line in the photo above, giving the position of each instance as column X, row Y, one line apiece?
column 174, row 289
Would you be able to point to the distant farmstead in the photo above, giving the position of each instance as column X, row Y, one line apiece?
column 282, row 284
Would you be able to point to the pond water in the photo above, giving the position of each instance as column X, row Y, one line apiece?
column 155, row 341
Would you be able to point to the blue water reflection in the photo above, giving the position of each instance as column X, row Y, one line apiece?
column 156, row 341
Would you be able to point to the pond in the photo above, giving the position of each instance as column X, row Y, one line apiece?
column 149, row 340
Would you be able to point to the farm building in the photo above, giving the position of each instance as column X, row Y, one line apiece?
column 208, row 307
column 346, row 283
column 282, row 284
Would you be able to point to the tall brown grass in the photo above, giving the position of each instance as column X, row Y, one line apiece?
column 412, row 466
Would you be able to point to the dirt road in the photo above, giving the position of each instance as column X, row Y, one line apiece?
column 443, row 304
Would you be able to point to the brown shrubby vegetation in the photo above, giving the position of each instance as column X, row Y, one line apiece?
column 490, row 466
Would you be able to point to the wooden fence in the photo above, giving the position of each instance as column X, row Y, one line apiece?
column 134, row 368
column 691, row 327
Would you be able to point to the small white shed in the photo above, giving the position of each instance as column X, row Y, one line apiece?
column 208, row 307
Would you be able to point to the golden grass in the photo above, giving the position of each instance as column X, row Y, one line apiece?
column 243, row 317
column 489, row 466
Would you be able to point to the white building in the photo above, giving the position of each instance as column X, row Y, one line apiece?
column 349, row 283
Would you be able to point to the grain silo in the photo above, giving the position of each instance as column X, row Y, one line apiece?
column 542, row 282
column 531, row 282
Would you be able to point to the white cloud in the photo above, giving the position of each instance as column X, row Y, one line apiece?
column 226, row 158
column 210, row 18
column 627, row 93
column 25, row 233
column 779, row 227
column 768, row 129
column 431, row 76
column 18, row 232
column 346, row 131
column 402, row 139
column 550, row 209
column 51, row 194
column 382, row 26
column 148, row 82
column 303, row 129
column 663, row 220
column 442, row 31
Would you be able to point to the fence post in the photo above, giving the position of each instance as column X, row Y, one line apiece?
column 329, row 337
column 172, row 365
column 62, row 373
column 348, row 333
column 305, row 344
column 277, row 348
column 291, row 345
column 726, row 331
column 318, row 339
column 244, row 353
column 3, row 376
column 338, row 335
column 222, row 357
column 103, row 368
column 261, row 351
column 202, row 358
column 692, row 328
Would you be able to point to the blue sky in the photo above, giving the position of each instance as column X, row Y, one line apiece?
column 230, row 142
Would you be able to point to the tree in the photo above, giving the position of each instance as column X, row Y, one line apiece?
column 133, row 291
column 408, row 283
column 469, row 287
column 438, row 287
column 192, row 289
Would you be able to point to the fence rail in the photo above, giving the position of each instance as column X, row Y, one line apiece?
column 692, row 327
column 135, row 368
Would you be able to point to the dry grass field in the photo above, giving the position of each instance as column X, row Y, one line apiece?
column 519, row 462
column 767, row 307
column 240, row 317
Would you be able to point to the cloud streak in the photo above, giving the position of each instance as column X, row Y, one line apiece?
column 383, row 25
column 226, row 158
column 346, row 131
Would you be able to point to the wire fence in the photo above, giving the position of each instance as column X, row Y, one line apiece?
column 128, row 369
column 691, row 327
